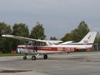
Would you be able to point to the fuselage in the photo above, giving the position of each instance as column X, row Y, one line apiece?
column 30, row 49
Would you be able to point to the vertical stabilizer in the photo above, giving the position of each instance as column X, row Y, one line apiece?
column 89, row 38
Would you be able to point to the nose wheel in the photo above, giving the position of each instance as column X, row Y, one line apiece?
column 33, row 57
column 24, row 57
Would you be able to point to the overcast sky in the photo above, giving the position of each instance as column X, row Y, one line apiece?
column 57, row 16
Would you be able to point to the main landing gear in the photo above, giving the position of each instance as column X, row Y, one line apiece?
column 45, row 56
column 34, row 57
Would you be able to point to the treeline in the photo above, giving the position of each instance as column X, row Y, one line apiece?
column 8, row 44
column 37, row 32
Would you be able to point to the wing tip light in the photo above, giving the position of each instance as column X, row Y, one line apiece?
column 7, row 35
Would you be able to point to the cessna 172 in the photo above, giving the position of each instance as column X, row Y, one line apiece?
column 45, row 47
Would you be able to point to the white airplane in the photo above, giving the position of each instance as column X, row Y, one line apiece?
column 45, row 47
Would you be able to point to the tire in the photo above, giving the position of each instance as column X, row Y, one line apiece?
column 24, row 57
column 45, row 57
column 33, row 57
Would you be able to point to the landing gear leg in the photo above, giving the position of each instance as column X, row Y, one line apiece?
column 25, row 57
column 45, row 56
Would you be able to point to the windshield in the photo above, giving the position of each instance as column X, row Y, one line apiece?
column 30, row 43
column 50, row 43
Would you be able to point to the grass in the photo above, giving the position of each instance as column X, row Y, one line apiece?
column 17, row 54
column 9, row 54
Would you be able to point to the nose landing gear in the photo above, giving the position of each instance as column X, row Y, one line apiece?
column 25, row 57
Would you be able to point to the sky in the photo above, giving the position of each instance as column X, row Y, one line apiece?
column 57, row 16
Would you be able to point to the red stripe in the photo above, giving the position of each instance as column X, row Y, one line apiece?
column 89, row 48
column 64, row 49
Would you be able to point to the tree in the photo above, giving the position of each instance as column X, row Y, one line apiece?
column 37, row 32
column 4, row 28
column 53, row 38
column 5, row 43
column 80, row 31
column 97, row 39
column 19, row 30
column 67, row 37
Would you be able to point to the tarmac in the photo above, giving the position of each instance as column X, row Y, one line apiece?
column 80, row 63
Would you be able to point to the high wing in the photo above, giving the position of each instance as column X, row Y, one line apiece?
column 30, row 39
column 18, row 37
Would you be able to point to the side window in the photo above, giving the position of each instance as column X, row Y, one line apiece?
column 42, row 44
column 38, row 43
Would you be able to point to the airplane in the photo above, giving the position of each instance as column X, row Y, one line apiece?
column 37, row 47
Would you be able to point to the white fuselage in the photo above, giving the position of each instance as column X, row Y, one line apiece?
column 29, row 49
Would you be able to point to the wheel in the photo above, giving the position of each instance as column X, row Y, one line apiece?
column 33, row 57
column 24, row 57
column 45, row 57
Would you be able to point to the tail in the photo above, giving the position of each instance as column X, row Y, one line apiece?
column 89, row 38
column 85, row 44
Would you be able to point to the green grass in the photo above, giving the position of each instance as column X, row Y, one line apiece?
column 9, row 54
column 17, row 54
